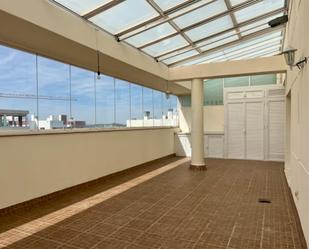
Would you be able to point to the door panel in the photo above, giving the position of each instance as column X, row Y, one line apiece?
column 276, row 133
column 255, row 130
column 235, row 131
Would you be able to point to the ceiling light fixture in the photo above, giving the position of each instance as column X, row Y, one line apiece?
column 167, row 92
column 98, row 72
column 98, row 55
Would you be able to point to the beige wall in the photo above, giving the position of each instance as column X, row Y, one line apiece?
column 213, row 119
column 297, row 164
column 33, row 166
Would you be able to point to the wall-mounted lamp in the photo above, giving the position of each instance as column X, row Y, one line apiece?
column 301, row 64
column 289, row 56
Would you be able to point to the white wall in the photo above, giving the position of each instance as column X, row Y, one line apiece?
column 213, row 118
column 36, row 165
column 297, row 163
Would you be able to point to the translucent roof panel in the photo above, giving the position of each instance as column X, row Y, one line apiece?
column 219, row 43
column 236, row 2
column 258, row 9
column 181, row 57
column 166, row 45
column 217, row 38
column 82, row 7
column 205, row 58
column 214, row 34
column 202, row 13
column 256, row 26
column 151, row 34
column 177, row 52
column 254, row 53
column 266, row 44
column 257, row 40
column 210, row 28
column 253, row 48
column 167, row 4
column 124, row 15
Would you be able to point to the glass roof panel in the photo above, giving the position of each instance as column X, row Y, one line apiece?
column 201, row 14
column 205, row 58
column 253, row 41
column 177, row 52
column 254, row 53
column 151, row 34
column 82, row 7
column 255, row 47
column 124, row 15
column 257, row 9
column 217, row 38
column 253, row 30
column 167, row 4
column 256, row 26
column 181, row 57
column 219, row 43
column 210, row 28
column 166, row 45
column 258, row 45
column 236, row 2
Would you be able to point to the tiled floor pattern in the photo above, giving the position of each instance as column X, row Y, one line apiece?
column 166, row 205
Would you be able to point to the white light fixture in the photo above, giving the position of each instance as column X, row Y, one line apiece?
column 167, row 92
column 289, row 56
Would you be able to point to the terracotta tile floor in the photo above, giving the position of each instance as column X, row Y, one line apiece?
column 165, row 205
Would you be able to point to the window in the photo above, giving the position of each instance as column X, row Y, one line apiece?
column 105, row 98
column 137, row 116
column 122, row 95
column 158, row 108
column 54, row 93
column 82, row 99
column 148, row 107
column 236, row 81
column 266, row 79
column 18, row 89
column 213, row 92
column 40, row 93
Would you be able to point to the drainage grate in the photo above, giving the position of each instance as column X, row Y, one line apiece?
column 264, row 200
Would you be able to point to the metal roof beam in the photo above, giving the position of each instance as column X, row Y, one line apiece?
column 172, row 23
column 244, row 38
column 162, row 20
column 253, row 20
column 102, row 8
column 232, row 15
column 157, row 18
column 204, row 21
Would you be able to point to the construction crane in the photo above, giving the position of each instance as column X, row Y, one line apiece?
column 33, row 96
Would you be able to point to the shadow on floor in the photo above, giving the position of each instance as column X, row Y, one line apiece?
column 165, row 205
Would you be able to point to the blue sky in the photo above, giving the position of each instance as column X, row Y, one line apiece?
column 18, row 75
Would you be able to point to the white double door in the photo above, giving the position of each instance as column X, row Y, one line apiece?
column 245, row 130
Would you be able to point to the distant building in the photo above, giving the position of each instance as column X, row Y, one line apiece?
column 76, row 124
column 170, row 119
column 50, row 123
column 13, row 118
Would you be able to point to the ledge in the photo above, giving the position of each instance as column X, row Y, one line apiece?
column 76, row 131
column 205, row 133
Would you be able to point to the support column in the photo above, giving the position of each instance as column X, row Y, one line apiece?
column 197, row 125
